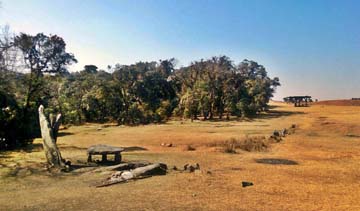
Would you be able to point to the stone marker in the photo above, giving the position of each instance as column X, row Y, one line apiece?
column 104, row 150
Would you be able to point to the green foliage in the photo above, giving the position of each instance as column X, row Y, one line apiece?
column 141, row 93
column 216, row 87
column 41, row 56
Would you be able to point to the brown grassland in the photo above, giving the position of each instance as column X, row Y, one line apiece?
column 325, row 176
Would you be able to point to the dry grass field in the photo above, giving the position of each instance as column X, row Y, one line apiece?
column 325, row 174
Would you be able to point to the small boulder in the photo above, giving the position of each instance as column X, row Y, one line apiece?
column 246, row 184
column 166, row 144
column 284, row 132
column 191, row 167
column 276, row 133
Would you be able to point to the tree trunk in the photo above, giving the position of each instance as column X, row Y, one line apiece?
column 137, row 173
column 205, row 114
column 211, row 111
column 55, row 122
column 48, row 134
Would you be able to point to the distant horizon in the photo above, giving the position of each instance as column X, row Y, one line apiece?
column 312, row 46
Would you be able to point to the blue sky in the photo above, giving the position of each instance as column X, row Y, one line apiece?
column 313, row 45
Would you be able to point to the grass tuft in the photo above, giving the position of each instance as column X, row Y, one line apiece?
column 189, row 148
column 249, row 144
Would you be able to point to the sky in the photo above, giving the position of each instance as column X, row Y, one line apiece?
column 313, row 46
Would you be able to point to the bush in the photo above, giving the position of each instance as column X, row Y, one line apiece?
column 254, row 144
column 250, row 144
column 229, row 146
column 15, row 130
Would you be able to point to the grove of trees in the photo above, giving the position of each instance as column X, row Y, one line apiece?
column 33, row 72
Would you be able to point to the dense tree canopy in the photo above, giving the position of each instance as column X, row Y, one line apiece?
column 140, row 93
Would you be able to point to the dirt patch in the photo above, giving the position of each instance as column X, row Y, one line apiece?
column 312, row 134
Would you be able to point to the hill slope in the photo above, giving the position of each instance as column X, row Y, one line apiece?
column 339, row 102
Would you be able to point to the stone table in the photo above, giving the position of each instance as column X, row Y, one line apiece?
column 104, row 150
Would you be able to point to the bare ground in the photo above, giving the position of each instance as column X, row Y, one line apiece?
column 317, row 168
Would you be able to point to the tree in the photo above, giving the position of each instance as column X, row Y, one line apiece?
column 8, row 53
column 42, row 54
column 167, row 67
column 90, row 68
column 140, row 93
column 259, row 86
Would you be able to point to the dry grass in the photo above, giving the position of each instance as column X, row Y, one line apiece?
column 339, row 103
column 249, row 144
column 326, row 176
column 189, row 148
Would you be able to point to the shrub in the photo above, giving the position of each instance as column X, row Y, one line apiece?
column 229, row 146
column 250, row 144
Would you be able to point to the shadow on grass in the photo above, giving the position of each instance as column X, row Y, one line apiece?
column 4, row 156
column 134, row 148
column 352, row 135
column 276, row 161
column 277, row 114
column 34, row 147
column 272, row 114
column 66, row 147
column 60, row 134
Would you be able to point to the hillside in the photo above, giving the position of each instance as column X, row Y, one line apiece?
column 339, row 102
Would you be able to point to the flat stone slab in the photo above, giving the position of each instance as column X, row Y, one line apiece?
column 105, row 150
column 101, row 149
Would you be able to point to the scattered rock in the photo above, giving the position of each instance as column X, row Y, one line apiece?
column 68, row 162
column 276, row 133
column 166, row 144
column 191, row 167
column 276, row 136
column 284, row 132
column 246, row 184
column 133, row 174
